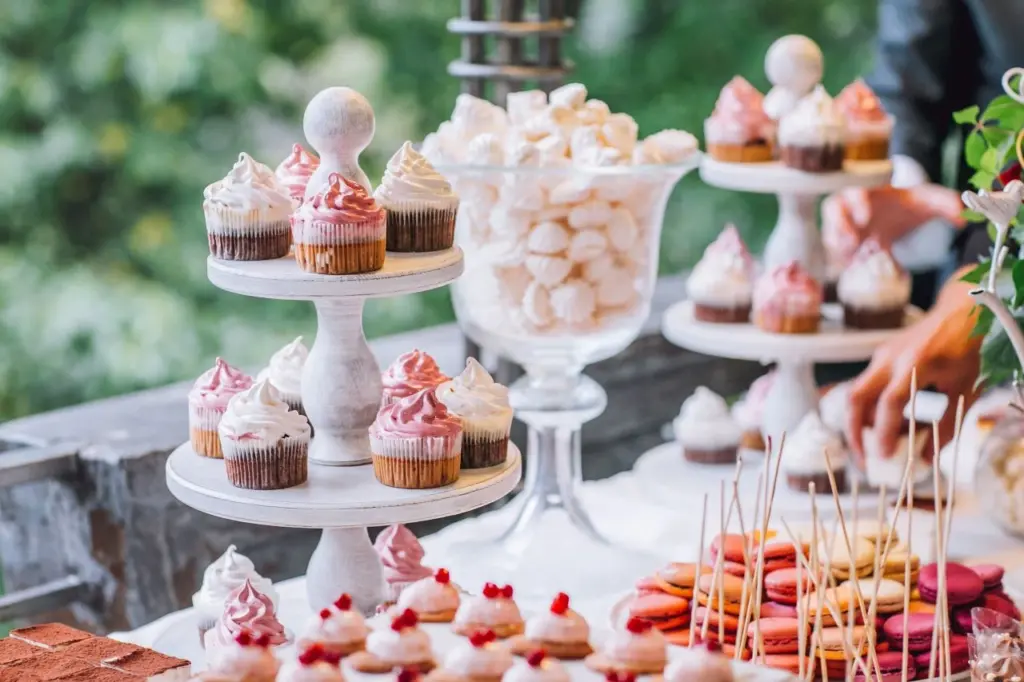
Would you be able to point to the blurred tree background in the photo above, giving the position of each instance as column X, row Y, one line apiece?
column 116, row 114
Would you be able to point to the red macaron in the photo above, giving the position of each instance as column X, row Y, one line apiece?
column 991, row 575
column 890, row 664
column 918, row 632
column 963, row 585
column 959, row 657
column 733, row 546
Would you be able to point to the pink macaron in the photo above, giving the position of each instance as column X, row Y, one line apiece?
column 918, row 632
column 781, row 586
column 890, row 664
column 771, row 609
column 959, row 656
column 778, row 635
column 991, row 575
column 963, row 585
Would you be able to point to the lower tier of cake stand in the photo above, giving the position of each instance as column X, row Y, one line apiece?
column 343, row 503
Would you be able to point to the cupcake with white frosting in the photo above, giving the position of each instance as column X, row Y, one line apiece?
column 874, row 290
column 805, row 460
column 476, row 659
column 812, row 136
column 707, row 430
column 220, row 579
column 265, row 443
column 558, row 630
column 721, row 285
column 483, row 406
column 748, row 412
column 285, row 372
column 247, row 213
column 420, row 203
column 338, row 630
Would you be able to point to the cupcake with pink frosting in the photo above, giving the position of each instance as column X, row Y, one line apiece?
column 401, row 558
column 748, row 412
column 637, row 648
column 721, row 285
column 787, row 300
column 434, row 598
column 738, row 130
column 337, row 630
column 340, row 230
column 558, row 630
column 295, row 171
column 245, row 657
column 410, row 373
column 416, row 443
column 874, row 290
column 477, row 659
column 207, row 402
column 246, row 610
column 868, row 126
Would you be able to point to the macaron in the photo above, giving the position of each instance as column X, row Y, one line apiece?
column 920, row 607
column 963, row 622
column 874, row 533
column 991, row 574
column 733, row 568
column 835, row 604
column 917, row 631
column 663, row 611
column 787, row 662
column 888, row 593
column 890, row 664
column 833, row 646
column 959, row 656
column 778, row 635
column 731, row 587
column 771, row 609
column 839, row 559
column 781, row 586
column 729, row 622
column 678, row 578
column 648, row 585
column 962, row 584
column 732, row 545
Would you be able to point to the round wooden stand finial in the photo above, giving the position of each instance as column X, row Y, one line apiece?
column 339, row 125
column 794, row 62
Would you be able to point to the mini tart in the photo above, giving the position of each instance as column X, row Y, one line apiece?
column 244, row 658
column 787, row 300
column 493, row 610
column 560, row 632
column 538, row 667
column 812, row 136
column 434, row 599
column 403, row 645
column 738, row 130
column 478, row 659
column 721, row 285
column 638, row 648
column 338, row 630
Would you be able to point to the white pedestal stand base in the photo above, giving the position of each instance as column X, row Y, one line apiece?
column 341, row 502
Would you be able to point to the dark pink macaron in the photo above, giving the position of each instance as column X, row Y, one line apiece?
column 991, row 574
column 918, row 631
column 959, row 657
column 890, row 664
column 963, row 585
column 997, row 602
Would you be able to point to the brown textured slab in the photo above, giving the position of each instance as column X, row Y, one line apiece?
column 13, row 650
column 146, row 662
column 100, row 675
column 16, row 676
column 50, row 635
column 97, row 649
column 50, row 666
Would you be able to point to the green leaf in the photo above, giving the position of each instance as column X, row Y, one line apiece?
column 1018, row 283
column 991, row 230
column 1006, row 110
column 984, row 322
column 982, row 179
column 974, row 148
column 975, row 275
column 991, row 161
column 998, row 359
column 968, row 116
column 972, row 216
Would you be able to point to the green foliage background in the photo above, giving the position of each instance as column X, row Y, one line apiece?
column 115, row 115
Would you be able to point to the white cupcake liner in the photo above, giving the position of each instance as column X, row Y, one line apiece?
column 416, row 449
column 320, row 233
column 222, row 220
column 204, row 418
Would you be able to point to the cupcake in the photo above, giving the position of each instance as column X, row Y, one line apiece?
column 638, row 648
column 337, row 630
column 874, row 289
column 206, row 404
column 699, row 663
column 538, row 667
column 420, row 203
column 559, row 631
column 706, row 429
column 410, row 373
column 416, row 443
column 840, row 242
column 868, row 127
column 403, row 644
column 477, row 659
column 266, row 444
column 247, row 213
column 748, row 412
column 295, row 171
column 482, row 405
column 285, row 372
column 812, row 135
column 434, row 598
column 787, row 300
column 738, row 130
column 401, row 558
column 220, row 579
column 805, row 461
column 493, row 609
column 245, row 610
column 340, row 230
column 314, row 664
column 246, row 657
column 721, row 285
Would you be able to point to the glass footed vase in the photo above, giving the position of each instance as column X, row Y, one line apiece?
column 999, row 473
column 561, row 265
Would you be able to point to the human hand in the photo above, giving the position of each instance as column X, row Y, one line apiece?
column 888, row 213
column 947, row 359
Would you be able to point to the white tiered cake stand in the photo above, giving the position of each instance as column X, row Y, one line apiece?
column 341, row 393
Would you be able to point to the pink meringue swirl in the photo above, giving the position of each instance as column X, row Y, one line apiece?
column 417, row 416
column 730, row 243
column 296, row 170
column 342, row 201
column 401, row 556
column 216, row 386
column 411, row 373
column 249, row 609
column 858, row 102
column 739, row 116
column 788, row 288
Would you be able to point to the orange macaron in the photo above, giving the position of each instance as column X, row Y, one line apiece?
column 663, row 611
column 678, row 578
column 731, row 589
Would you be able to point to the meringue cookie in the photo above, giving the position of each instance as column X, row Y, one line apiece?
column 537, row 305
column 593, row 213
column 574, row 302
column 571, row 95
column 548, row 238
column 587, row 245
column 548, row 270
column 525, row 105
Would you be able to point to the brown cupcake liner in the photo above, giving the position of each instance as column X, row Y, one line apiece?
column 831, row 291
column 734, row 315
column 822, row 485
column 243, row 248
column 824, row 159
column 397, row 472
column 266, row 467
column 480, row 451
column 206, row 443
column 419, row 229
column 710, row 455
column 752, row 152
column 868, row 150
column 340, row 259
column 779, row 323
column 868, row 318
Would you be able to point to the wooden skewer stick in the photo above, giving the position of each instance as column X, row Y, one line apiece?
column 947, row 514
column 880, row 557
column 721, row 576
column 936, row 652
column 852, row 611
column 909, row 543
column 769, row 500
column 715, row 573
column 801, row 609
column 700, row 570
column 741, row 632
column 833, row 605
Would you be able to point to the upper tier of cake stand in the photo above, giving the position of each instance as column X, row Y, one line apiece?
column 774, row 178
column 283, row 279
column 833, row 342
column 333, row 497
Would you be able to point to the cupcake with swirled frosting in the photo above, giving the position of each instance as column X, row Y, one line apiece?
column 247, row 658
column 265, row 443
column 410, row 373
column 721, row 285
column 421, row 204
column 482, row 405
column 285, row 372
column 416, row 443
column 812, row 137
column 245, row 610
column 805, row 460
column 295, row 171
column 787, row 300
column 738, row 130
column 706, row 429
column 207, row 402
column 340, row 230
column 247, row 213
column 868, row 126
column 874, row 290
column 220, row 579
